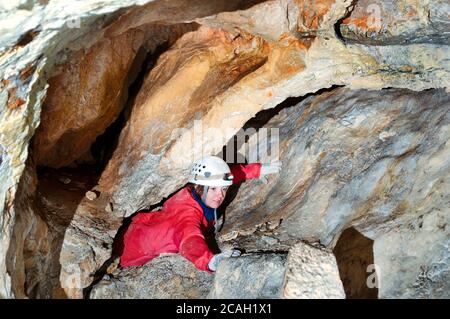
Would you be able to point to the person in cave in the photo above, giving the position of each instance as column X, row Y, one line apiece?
column 180, row 226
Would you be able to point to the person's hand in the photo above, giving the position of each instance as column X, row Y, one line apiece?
column 269, row 168
column 214, row 262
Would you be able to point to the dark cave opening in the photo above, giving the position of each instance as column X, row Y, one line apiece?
column 354, row 256
column 103, row 147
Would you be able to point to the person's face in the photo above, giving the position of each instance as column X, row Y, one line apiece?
column 215, row 196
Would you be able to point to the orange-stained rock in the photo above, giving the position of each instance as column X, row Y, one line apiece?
column 89, row 93
column 316, row 17
column 238, row 64
column 191, row 82
column 312, row 13
column 398, row 22
column 91, row 89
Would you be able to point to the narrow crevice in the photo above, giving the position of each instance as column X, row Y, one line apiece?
column 254, row 124
column 58, row 195
column 264, row 252
column 27, row 37
column 103, row 147
column 337, row 25
column 354, row 256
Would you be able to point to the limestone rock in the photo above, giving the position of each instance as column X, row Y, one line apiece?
column 251, row 276
column 31, row 36
column 398, row 22
column 91, row 195
column 32, row 247
column 200, row 66
column 312, row 273
column 36, row 36
column 373, row 160
column 167, row 276
column 413, row 260
column 91, row 90
column 163, row 136
column 86, row 246
column 350, row 158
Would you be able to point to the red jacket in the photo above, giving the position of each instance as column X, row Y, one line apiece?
column 177, row 228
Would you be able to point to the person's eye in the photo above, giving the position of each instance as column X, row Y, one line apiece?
column 213, row 188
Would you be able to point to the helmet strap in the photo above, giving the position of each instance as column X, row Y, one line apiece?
column 216, row 225
column 205, row 193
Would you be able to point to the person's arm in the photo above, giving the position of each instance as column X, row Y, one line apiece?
column 242, row 172
column 192, row 242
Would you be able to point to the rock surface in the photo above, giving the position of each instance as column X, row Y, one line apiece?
column 167, row 276
column 36, row 36
column 252, row 276
column 413, row 259
column 398, row 22
column 257, row 71
column 312, row 273
column 350, row 158
column 373, row 155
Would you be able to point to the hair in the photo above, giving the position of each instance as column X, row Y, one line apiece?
column 197, row 188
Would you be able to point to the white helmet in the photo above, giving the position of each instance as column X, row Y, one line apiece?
column 211, row 171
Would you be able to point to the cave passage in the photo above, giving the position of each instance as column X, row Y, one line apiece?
column 354, row 256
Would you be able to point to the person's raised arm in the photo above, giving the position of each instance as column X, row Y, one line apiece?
column 242, row 172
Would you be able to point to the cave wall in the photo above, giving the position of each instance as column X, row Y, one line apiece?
column 37, row 39
column 352, row 157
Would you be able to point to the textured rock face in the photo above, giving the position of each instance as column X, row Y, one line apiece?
column 239, row 72
column 31, row 247
column 93, row 86
column 252, row 276
column 32, row 35
column 385, row 165
column 167, row 276
column 312, row 273
column 306, row 272
column 413, row 259
column 351, row 158
column 373, row 160
column 201, row 66
column 37, row 36
column 62, row 237
column 90, row 90
column 398, row 22
column 354, row 256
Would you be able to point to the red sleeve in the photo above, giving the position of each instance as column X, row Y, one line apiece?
column 241, row 172
column 142, row 217
column 192, row 242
